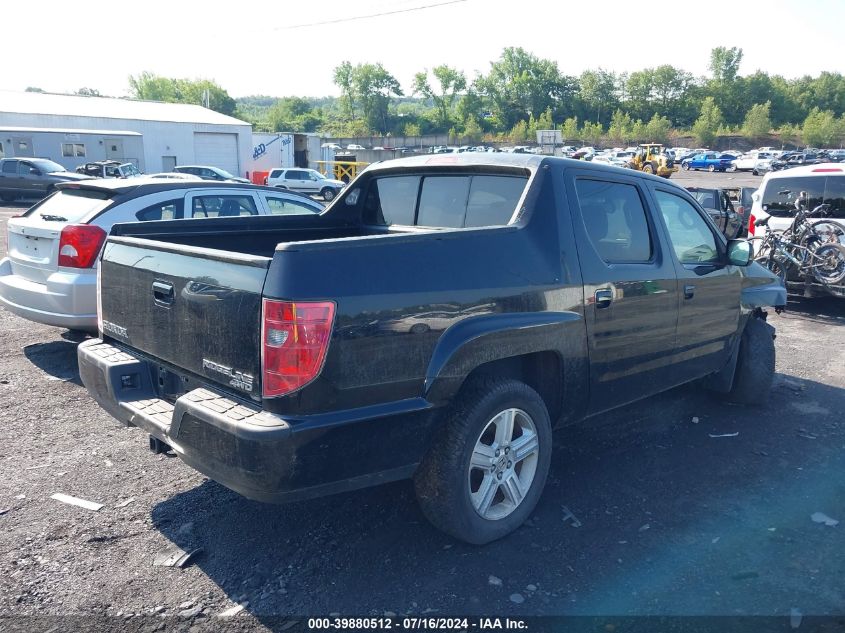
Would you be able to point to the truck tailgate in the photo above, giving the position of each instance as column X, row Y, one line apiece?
column 197, row 309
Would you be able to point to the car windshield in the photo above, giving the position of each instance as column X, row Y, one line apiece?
column 317, row 175
column 48, row 166
column 224, row 173
column 130, row 170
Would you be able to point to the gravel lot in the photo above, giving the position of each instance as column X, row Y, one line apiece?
column 667, row 519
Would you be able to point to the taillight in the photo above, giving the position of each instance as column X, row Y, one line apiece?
column 80, row 244
column 294, row 341
column 751, row 227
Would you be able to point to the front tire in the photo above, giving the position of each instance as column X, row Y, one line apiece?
column 755, row 364
column 484, row 474
column 328, row 194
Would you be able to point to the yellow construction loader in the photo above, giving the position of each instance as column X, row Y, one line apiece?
column 652, row 159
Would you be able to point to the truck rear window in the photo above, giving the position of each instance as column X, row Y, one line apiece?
column 441, row 201
column 72, row 205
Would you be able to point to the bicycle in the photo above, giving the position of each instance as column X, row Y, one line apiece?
column 805, row 249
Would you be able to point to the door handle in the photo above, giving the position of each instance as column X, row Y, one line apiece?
column 163, row 293
column 689, row 291
column 604, row 298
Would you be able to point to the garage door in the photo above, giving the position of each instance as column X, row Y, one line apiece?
column 217, row 150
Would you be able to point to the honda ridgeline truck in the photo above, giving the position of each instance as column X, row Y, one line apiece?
column 435, row 322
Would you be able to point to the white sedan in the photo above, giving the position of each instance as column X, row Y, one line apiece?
column 760, row 162
column 49, row 274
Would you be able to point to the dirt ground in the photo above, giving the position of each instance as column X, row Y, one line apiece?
column 678, row 505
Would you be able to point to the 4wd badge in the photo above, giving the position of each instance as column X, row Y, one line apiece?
column 239, row 380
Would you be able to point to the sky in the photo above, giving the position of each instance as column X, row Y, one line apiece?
column 266, row 47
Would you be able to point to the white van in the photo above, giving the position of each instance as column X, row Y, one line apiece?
column 778, row 191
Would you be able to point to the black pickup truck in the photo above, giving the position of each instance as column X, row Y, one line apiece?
column 435, row 322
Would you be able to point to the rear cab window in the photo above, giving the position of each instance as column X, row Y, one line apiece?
column 443, row 201
column 778, row 198
column 71, row 205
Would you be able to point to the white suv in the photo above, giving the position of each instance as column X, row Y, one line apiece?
column 308, row 181
column 779, row 190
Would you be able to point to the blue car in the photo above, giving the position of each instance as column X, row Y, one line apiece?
column 710, row 161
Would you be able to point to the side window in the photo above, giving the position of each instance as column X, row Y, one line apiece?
column 834, row 195
column 10, row 167
column 276, row 173
column 169, row 210
column 691, row 237
column 24, row 168
column 615, row 220
column 283, row 206
column 223, row 206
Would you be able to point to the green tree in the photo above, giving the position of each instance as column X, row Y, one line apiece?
column 412, row 129
column 151, row 87
column 620, row 127
column 520, row 84
column 569, row 130
column 820, row 128
column 33, row 89
column 708, row 123
column 658, row 128
column 519, row 132
column 342, row 77
column 374, row 89
column 472, row 130
column 757, row 122
column 724, row 63
column 293, row 114
column 598, row 92
column 545, row 121
column 451, row 82
column 591, row 133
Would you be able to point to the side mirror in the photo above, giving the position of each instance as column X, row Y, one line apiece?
column 739, row 252
column 34, row 172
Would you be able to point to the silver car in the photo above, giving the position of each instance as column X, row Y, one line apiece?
column 49, row 273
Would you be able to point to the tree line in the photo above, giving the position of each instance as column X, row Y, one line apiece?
column 522, row 93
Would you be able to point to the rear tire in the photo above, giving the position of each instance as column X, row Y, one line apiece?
column 711, row 168
column 755, row 364
column 685, row 166
column 833, row 272
column 479, row 482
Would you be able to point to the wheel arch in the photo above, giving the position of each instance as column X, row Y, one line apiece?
column 545, row 350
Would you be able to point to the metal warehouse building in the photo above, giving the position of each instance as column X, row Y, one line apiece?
column 72, row 130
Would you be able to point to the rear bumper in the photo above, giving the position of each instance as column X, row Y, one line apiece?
column 258, row 454
column 66, row 299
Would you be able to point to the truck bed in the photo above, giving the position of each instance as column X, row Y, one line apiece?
column 248, row 235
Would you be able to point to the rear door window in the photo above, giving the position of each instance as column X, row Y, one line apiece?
column 10, row 167
column 615, row 219
column 221, row 206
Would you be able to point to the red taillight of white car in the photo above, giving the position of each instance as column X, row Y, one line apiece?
column 294, row 341
column 80, row 244
column 751, row 227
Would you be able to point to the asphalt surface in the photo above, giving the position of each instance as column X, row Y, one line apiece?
column 645, row 512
